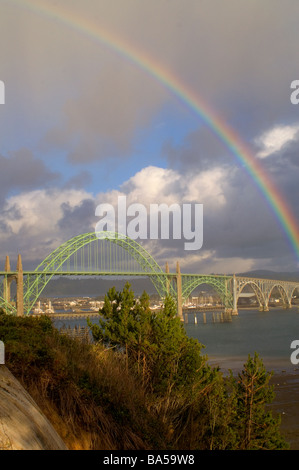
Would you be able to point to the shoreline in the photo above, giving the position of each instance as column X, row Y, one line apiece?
column 286, row 403
column 221, row 308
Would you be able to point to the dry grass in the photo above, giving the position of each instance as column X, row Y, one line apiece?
column 90, row 399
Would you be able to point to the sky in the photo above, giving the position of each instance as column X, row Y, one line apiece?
column 83, row 123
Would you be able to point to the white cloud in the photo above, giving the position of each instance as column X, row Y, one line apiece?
column 159, row 185
column 209, row 263
column 207, row 187
column 34, row 223
column 153, row 184
column 31, row 220
column 41, row 209
column 275, row 139
column 47, row 217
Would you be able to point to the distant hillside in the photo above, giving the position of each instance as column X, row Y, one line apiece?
column 94, row 287
column 266, row 274
column 91, row 286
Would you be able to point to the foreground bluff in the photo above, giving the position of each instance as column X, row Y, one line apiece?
column 22, row 424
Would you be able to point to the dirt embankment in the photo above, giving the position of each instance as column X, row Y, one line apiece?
column 22, row 424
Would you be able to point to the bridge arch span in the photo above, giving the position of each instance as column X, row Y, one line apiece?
column 284, row 294
column 293, row 291
column 256, row 289
column 219, row 283
column 55, row 260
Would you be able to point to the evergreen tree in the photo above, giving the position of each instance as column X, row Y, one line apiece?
column 257, row 428
column 155, row 343
column 199, row 409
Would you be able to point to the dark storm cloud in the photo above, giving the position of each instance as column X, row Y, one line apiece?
column 102, row 120
column 291, row 157
column 77, row 219
column 80, row 180
column 22, row 171
column 200, row 150
column 245, row 226
column 238, row 56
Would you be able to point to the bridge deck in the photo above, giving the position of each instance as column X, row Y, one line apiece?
column 110, row 273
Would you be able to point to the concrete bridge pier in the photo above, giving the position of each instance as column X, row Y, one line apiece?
column 7, row 281
column 235, row 297
column 264, row 304
column 264, row 308
column 15, row 276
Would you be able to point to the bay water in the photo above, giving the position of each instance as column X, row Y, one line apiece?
column 228, row 343
column 269, row 334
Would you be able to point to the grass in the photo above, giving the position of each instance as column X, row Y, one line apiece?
column 83, row 389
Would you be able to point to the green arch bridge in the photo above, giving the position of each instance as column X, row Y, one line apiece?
column 112, row 254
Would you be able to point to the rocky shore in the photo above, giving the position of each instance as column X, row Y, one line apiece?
column 22, row 424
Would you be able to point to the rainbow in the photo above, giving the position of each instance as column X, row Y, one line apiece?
column 189, row 98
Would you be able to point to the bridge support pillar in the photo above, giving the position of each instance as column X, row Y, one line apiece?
column 179, row 292
column 266, row 303
column 235, row 297
column 20, row 288
column 7, row 281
